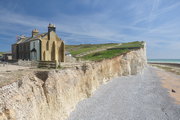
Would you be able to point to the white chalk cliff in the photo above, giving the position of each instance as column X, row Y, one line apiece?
column 53, row 94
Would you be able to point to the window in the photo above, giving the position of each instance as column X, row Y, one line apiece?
column 34, row 44
column 47, row 45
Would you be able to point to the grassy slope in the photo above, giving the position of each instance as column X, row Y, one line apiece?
column 131, row 45
column 104, row 54
column 78, row 49
column 109, row 53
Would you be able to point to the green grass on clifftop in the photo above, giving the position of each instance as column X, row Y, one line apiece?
column 108, row 50
column 131, row 45
column 104, row 54
column 79, row 49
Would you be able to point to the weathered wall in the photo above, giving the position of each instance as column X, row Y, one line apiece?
column 52, row 49
column 53, row 95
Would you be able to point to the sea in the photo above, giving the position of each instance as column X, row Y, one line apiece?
column 164, row 61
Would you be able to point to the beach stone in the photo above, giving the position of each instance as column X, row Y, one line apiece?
column 173, row 91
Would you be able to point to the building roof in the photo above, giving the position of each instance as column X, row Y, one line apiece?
column 28, row 39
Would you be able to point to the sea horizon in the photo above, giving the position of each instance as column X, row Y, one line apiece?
column 164, row 60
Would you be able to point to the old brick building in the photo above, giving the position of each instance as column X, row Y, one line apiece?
column 39, row 47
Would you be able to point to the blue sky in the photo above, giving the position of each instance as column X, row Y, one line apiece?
column 96, row 21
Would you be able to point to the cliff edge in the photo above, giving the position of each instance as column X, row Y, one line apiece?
column 52, row 95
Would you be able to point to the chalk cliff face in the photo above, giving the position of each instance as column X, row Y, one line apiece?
column 52, row 95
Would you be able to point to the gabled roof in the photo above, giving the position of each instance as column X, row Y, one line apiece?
column 28, row 39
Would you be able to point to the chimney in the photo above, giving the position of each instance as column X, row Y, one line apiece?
column 35, row 32
column 51, row 27
column 19, row 37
